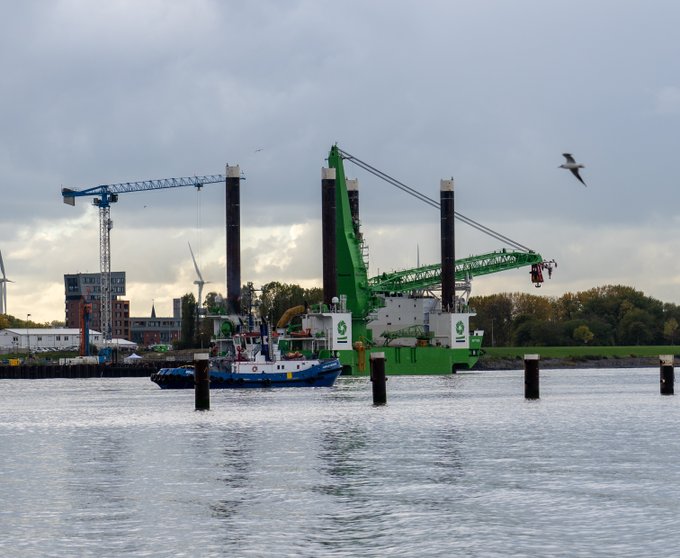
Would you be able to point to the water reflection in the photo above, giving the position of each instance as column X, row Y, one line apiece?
column 98, row 490
column 446, row 464
column 341, row 449
column 355, row 516
column 234, row 468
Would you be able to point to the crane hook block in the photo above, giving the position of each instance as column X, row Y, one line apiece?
column 536, row 274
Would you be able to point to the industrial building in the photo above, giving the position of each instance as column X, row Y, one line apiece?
column 45, row 340
column 157, row 330
column 86, row 287
column 35, row 340
column 144, row 331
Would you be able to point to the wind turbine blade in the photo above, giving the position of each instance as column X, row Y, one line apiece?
column 195, row 264
column 2, row 267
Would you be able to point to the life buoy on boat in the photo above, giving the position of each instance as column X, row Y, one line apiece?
column 254, row 368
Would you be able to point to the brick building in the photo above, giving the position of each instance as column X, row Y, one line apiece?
column 87, row 287
column 157, row 330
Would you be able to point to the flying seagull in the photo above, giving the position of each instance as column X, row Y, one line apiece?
column 573, row 166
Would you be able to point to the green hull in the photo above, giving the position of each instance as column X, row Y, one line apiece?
column 425, row 360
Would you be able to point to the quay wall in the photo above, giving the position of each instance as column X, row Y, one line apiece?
column 42, row 371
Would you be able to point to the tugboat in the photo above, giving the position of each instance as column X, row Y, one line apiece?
column 294, row 358
column 291, row 373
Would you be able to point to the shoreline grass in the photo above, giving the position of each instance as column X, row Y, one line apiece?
column 582, row 352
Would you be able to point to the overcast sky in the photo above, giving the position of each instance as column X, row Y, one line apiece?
column 490, row 93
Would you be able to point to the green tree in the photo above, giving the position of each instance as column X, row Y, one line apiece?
column 276, row 298
column 548, row 333
column 636, row 327
column 568, row 307
column 249, row 297
column 494, row 316
column 188, row 334
column 204, row 333
column 583, row 334
column 313, row 295
column 538, row 307
column 670, row 328
column 522, row 331
column 215, row 303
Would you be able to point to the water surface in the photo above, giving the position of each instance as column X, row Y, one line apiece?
column 452, row 466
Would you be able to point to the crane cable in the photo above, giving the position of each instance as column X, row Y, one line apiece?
column 198, row 220
column 422, row 197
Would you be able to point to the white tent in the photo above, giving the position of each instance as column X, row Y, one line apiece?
column 132, row 358
column 123, row 344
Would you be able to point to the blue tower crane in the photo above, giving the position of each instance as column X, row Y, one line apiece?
column 108, row 194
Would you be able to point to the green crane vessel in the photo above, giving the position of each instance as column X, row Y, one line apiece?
column 396, row 313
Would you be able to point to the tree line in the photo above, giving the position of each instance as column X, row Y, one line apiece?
column 608, row 315
column 8, row 321
column 268, row 302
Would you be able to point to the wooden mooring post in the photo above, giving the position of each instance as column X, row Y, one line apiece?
column 202, row 381
column 378, row 378
column 531, row 381
column 667, row 374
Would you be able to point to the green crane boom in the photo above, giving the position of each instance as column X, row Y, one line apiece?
column 352, row 275
column 429, row 277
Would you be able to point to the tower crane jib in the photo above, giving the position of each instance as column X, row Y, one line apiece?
column 108, row 194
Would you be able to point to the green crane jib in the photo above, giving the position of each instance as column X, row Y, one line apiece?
column 429, row 277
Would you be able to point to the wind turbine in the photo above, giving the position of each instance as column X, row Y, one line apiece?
column 3, row 287
column 200, row 282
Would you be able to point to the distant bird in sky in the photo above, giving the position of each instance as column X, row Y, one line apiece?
column 573, row 166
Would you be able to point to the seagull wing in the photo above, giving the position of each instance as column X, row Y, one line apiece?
column 577, row 175
column 568, row 157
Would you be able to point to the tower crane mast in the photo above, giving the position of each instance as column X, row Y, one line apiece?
column 106, row 194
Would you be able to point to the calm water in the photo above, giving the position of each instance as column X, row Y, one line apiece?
column 452, row 466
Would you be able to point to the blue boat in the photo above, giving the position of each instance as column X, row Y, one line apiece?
column 305, row 357
column 252, row 374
